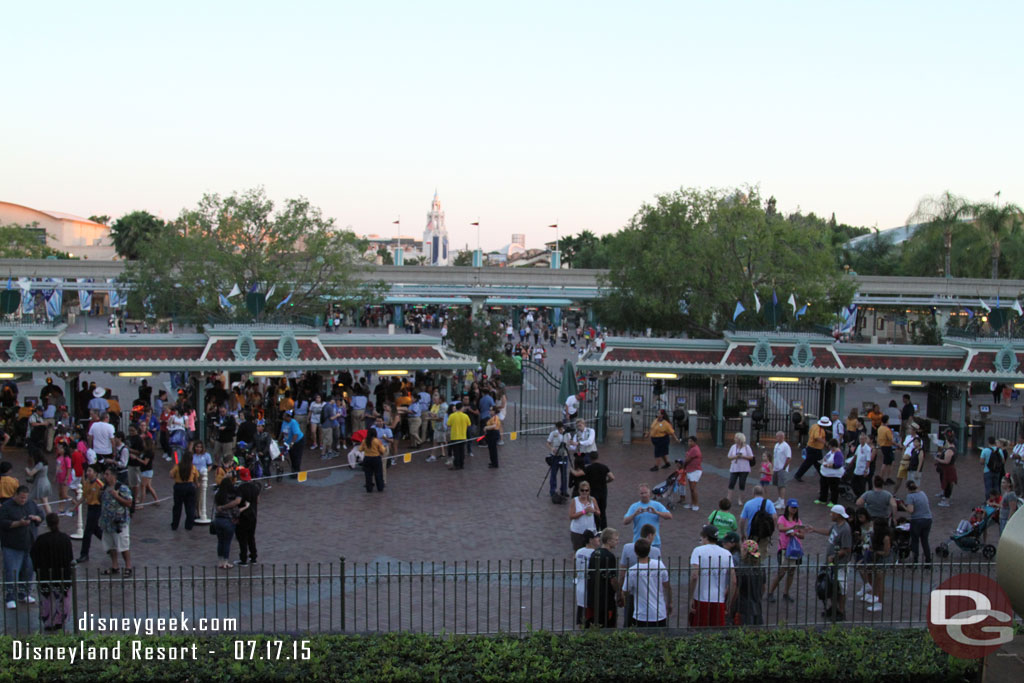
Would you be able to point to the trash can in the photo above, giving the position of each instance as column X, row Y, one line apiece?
column 627, row 426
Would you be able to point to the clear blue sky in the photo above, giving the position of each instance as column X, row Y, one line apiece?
column 520, row 114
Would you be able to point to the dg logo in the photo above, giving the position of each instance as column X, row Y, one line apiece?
column 970, row 616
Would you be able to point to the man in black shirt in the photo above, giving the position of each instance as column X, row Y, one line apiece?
column 145, row 392
column 603, row 582
column 247, row 430
column 906, row 415
column 225, row 444
column 598, row 476
column 246, row 529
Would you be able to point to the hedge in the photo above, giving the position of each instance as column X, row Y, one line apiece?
column 791, row 655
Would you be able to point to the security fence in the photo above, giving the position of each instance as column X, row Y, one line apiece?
column 510, row 596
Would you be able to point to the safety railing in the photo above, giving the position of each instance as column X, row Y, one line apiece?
column 510, row 596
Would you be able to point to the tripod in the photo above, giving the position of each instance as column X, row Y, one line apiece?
column 559, row 459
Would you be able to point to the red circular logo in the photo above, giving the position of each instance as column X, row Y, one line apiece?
column 970, row 616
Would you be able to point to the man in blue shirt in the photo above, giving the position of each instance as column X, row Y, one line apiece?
column 414, row 417
column 750, row 509
column 359, row 401
column 292, row 437
column 328, row 423
column 646, row 511
column 486, row 401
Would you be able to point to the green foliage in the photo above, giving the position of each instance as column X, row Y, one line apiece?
column 463, row 257
column 511, row 374
column 386, row 257
column 131, row 232
column 243, row 240
column 25, row 241
column 712, row 248
column 102, row 218
column 586, row 250
column 792, row 655
column 997, row 225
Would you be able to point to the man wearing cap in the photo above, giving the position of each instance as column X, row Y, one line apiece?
column 816, row 438
column 837, row 552
column 647, row 585
column 591, row 541
column 630, row 558
column 731, row 542
column 712, row 580
column 603, row 583
column 98, row 404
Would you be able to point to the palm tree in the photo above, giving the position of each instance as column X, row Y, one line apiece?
column 945, row 211
column 996, row 223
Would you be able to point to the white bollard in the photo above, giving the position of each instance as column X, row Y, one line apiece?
column 80, row 529
column 202, row 518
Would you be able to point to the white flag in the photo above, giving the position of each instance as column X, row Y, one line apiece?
column 236, row 290
column 792, row 301
column 1016, row 306
column 757, row 303
column 984, row 305
column 270, row 293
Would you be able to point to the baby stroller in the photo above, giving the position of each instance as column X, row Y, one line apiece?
column 968, row 535
column 901, row 538
column 670, row 491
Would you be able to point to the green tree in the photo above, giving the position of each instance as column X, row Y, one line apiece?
column 103, row 219
column 684, row 261
column 131, row 230
column 25, row 241
column 941, row 213
column 997, row 224
column 875, row 255
column 463, row 257
column 242, row 240
column 586, row 250
column 386, row 257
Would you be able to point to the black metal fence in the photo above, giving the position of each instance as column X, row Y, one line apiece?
column 511, row 596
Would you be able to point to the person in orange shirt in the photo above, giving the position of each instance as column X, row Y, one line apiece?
column 875, row 415
column 816, row 438
column 661, row 432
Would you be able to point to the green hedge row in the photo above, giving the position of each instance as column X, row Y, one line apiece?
column 790, row 655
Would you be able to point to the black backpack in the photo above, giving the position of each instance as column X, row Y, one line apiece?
column 996, row 460
column 762, row 525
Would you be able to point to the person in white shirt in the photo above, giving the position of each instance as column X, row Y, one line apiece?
column 585, row 440
column 630, row 558
column 865, row 455
column 572, row 406
column 558, row 463
column 647, row 584
column 781, row 455
column 101, row 437
column 712, row 580
column 838, row 428
column 582, row 559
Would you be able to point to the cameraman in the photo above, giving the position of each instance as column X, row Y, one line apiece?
column 558, row 463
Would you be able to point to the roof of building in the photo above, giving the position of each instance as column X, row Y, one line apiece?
column 57, row 215
column 794, row 355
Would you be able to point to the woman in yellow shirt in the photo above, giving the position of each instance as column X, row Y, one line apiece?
column 492, row 432
column 660, row 432
column 373, row 450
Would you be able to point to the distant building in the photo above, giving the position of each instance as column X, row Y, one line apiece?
column 80, row 237
column 435, row 236
column 519, row 238
column 411, row 247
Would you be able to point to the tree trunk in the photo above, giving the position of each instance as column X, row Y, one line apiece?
column 949, row 247
column 996, row 252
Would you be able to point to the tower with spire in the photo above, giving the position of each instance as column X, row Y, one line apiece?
column 435, row 236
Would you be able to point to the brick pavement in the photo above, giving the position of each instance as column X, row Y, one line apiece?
column 430, row 513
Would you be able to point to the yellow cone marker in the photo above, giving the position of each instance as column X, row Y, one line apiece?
column 513, row 436
column 407, row 457
column 302, row 476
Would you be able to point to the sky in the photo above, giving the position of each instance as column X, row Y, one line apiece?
column 519, row 114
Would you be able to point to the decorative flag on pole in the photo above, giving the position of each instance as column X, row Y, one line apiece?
column 24, row 283
column 28, row 302
column 849, row 319
column 792, row 302
column 270, row 292
column 775, row 298
column 476, row 224
column 970, row 313
column 739, row 309
column 684, row 308
column 235, row 291
column 224, row 303
column 54, row 300
column 255, row 288
column 757, row 303
column 398, row 222
column 984, row 305
column 284, row 301
column 1017, row 307
column 84, row 297
column 802, row 311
